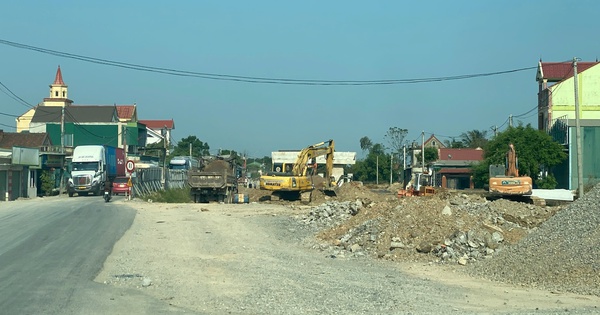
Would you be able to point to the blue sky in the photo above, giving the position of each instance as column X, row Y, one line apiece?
column 323, row 40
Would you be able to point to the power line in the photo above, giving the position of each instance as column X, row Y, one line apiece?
column 14, row 96
column 5, row 125
column 252, row 79
column 9, row 115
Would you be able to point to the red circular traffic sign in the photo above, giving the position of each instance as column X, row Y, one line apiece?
column 129, row 166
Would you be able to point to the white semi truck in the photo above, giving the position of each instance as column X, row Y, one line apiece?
column 92, row 166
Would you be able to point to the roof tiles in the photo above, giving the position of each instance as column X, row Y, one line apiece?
column 159, row 124
column 558, row 71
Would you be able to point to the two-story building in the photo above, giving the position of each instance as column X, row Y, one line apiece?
column 556, row 115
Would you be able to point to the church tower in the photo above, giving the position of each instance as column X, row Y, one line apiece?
column 58, row 97
column 58, row 92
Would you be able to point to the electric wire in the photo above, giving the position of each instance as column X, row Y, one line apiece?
column 14, row 96
column 252, row 79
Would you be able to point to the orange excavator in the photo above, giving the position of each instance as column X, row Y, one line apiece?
column 505, row 181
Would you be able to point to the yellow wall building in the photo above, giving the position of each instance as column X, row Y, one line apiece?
column 556, row 97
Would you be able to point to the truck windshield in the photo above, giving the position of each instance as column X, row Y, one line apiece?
column 178, row 166
column 85, row 166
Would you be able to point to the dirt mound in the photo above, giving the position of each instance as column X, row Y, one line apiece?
column 448, row 227
column 217, row 166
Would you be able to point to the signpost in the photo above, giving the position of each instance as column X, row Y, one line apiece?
column 129, row 168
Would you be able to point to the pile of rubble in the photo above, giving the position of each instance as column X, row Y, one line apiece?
column 561, row 255
column 447, row 227
column 554, row 248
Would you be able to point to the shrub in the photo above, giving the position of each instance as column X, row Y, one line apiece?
column 175, row 195
column 47, row 182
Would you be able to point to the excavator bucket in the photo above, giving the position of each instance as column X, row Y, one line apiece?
column 331, row 192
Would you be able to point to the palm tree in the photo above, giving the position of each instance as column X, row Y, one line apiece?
column 474, row 138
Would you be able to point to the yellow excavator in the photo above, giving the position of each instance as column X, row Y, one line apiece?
column 297, row 181
column 505, row 181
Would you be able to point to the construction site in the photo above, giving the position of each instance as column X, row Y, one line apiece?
column 544, row 246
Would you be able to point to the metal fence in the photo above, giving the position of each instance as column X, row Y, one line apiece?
column 146, row 181
column 149, row 180
column 176, row 179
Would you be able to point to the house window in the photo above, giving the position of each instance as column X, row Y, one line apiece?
column 433, row 143
column 64, row 93
column 56, row 93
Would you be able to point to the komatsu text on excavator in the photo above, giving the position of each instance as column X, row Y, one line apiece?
column 505, row 181
column 297, row 181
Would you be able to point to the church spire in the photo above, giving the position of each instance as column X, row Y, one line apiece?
column 58, row 92
column 58, row 80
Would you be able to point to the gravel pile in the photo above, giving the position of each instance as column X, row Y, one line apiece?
column 331, row 213
column 561, row 255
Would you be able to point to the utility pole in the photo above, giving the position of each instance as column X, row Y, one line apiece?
column 510, row 124
column 391, row 167
column 164, row 133
column 423, row 152
column 125, row 140
column 404, row 157
column 377, row 169
column 62, row 148
column 578, row 134
column 62, row 129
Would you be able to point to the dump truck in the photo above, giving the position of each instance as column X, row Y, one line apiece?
column 214, row 182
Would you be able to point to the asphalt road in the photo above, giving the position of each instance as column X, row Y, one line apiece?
column 52, row 248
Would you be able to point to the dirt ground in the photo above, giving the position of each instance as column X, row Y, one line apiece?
column 255, row 258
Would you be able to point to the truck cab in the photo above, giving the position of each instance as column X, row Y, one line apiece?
column 88, row 170
column 183, row 163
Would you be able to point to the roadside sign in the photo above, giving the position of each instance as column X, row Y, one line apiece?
column 129, row 184
column 129, row 166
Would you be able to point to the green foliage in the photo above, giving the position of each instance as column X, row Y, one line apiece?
column 365, row 143
column 454, row 144
column 176, row 195
column 431, row 155
column 376, row 162
column 199, row 148
column 549, row 182
column 481, row 174
column 474, row 139
column 47, row 180
column 535, row 150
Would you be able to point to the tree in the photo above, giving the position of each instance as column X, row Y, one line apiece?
column 431, row 155
column 376, row 162
column 474, row 138
column 537, row 153
column 454, row 144
column 395, row 138
column 365, row 144
column 199, row 148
